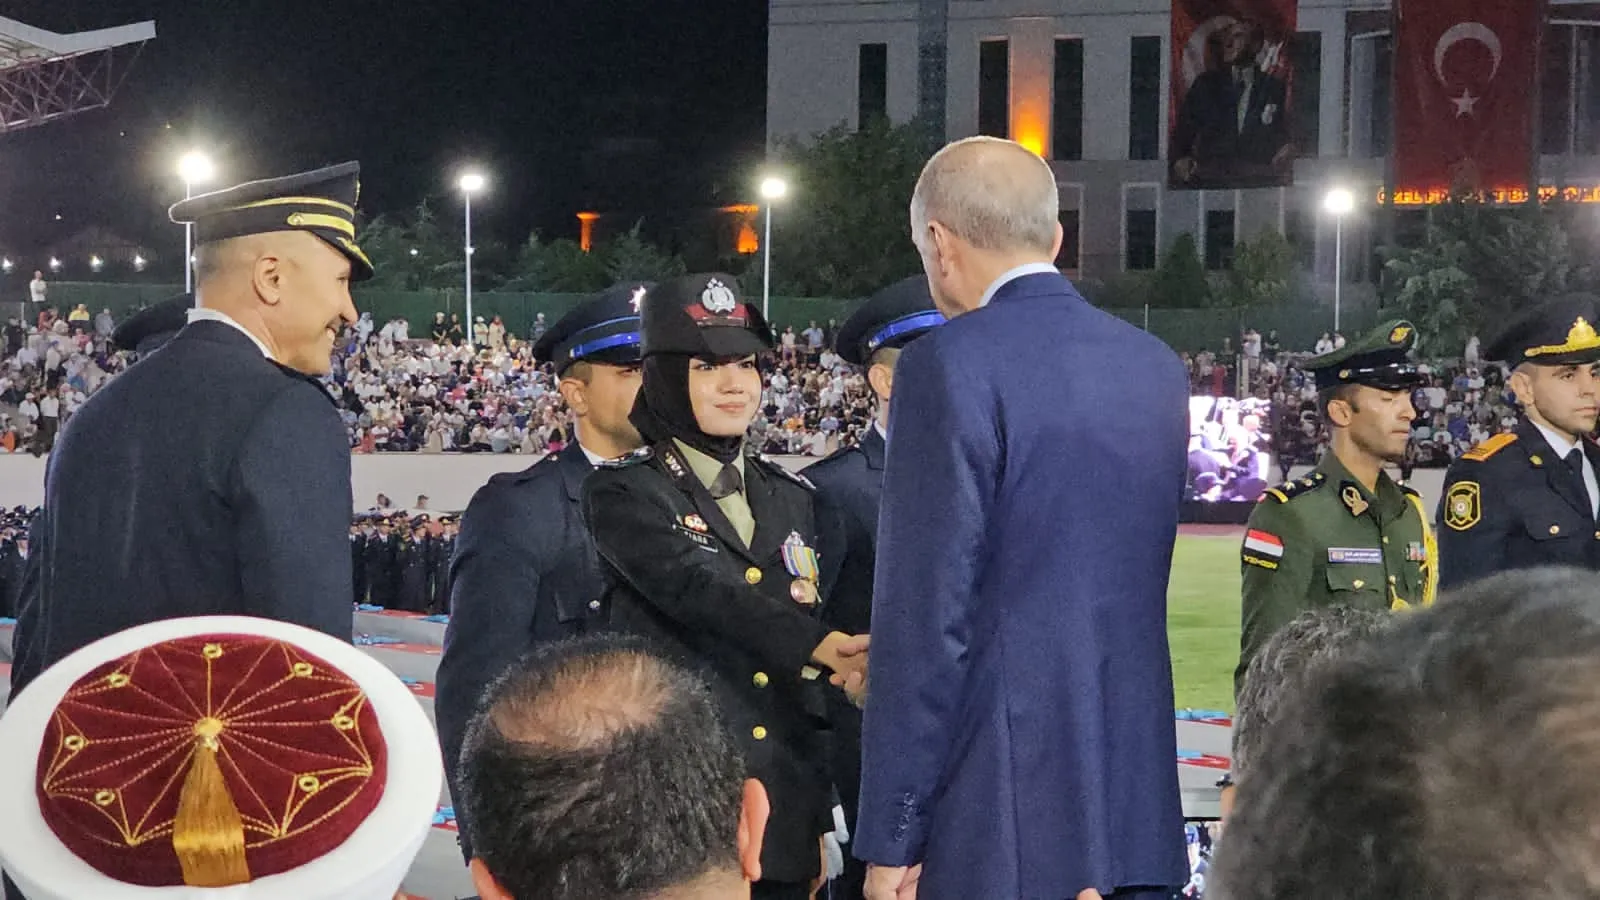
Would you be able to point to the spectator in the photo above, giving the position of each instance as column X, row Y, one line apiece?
column 1324, row 344
column 1470, row 355
column 79, row 318
column 38, row 290
column 480, row 332
column 497, row 335
column 786, row 344
column 441, row 330
column 1338, row 341
column 1449, row 758
column 1282, row 665
column 539, row 327
column 104, row 325
column 813, row 336
column 1272, row 346
column 457, row 334
column 596, row 770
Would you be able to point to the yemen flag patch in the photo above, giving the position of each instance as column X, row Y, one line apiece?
column 1263, row 545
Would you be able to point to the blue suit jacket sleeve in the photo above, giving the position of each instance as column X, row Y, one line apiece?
column 942, row 467
column 291, row 496
column 494, row 585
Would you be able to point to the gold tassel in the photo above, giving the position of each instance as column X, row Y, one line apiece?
column 208, row 834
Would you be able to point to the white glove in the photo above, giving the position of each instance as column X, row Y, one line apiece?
column 830, row 845
column 839, row 827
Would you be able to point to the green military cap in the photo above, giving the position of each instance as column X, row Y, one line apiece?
column 322, row 202
column 1379, row 358
column 1558, row 332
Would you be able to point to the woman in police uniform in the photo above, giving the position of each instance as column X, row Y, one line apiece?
column 707, row 551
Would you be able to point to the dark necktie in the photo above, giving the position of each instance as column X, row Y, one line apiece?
column 1574, row 460
column 727, row 483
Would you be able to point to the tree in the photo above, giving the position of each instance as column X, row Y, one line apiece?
column 632, row 258
column 411, row 252
column 1180, row 279
column 843, row 232
column 560, row 266
column 1479, row 265
column 1263, row 273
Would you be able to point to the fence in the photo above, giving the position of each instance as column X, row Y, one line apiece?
column 1298, row 326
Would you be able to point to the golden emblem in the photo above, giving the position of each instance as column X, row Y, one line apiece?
column 1399, row 334
column 752, row 575
column 1582, row 333
column 1353, row 501
column 1463, row 506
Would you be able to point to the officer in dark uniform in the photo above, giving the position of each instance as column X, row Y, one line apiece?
column 360, row 530
column 378, row 559
column 849, row 484
column 709, row 552
column 213, row 477
column 1529, row 497
column 444, row 547
column 524, row 570
column 411, row 564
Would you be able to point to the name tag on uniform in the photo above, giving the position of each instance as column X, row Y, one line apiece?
column 1355, row 555
column 704, row 541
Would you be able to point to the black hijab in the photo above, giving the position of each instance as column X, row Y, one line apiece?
column 663, row 409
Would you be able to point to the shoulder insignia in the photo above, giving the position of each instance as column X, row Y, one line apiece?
column 1408, row 489
column 1490, row 447
column 778, row 469
column 1287, row 491
column 640, row 455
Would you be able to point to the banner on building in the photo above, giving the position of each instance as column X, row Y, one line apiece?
column 1232, row 81
column 1465, row 94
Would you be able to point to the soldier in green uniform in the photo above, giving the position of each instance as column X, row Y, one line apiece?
column 1347, row 534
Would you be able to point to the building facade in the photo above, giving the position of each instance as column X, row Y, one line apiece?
column 1086, row 85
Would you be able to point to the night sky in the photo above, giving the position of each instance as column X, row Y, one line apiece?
column 633, row 105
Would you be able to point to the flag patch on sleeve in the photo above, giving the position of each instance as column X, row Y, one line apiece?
column 1263, row 544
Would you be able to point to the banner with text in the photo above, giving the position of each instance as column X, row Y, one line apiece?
column 1232, row 80
column 1465, row 93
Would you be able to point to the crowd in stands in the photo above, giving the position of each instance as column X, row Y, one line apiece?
column 1465, row 403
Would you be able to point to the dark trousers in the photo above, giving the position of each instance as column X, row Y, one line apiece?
column 779, row 890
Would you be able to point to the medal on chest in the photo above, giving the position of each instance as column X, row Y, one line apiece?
column 801, row 562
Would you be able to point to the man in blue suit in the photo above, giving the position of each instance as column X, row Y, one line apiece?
column 525, row 570
column 1018, row 736
column 849, row 484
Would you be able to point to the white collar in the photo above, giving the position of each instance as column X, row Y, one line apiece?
column 1035, row 268
column 1559, row 444
column 202, row 314
column 594, row 458
column 879, row 429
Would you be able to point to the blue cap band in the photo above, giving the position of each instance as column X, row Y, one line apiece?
column 913, row 322
column 622, row 339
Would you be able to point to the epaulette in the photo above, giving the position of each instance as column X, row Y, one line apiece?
column 1490, row 447
column 779, row 469
column 1287, row 491
column 643, row 454
column 1408, row 489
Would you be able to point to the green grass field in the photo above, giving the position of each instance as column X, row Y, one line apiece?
column 1203, row 621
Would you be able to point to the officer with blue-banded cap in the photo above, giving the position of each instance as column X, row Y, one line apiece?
column 147, row 330
column 213, row 477
column 849, row 484
column 524, row 570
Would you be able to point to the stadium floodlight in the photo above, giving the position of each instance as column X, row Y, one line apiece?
column 773, row 189
column 1338, row 202
column 471, row 182
column 194, row 168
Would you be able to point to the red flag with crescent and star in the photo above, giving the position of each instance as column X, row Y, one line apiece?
column 1465, row 94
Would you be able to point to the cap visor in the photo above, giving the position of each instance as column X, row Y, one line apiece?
column 728, row 341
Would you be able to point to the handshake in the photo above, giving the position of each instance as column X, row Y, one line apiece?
column 846, row 656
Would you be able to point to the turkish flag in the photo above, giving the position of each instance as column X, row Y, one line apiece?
column 1465, row 93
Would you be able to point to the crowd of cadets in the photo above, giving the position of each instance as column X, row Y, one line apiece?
column 402, row 561
column 13, row 555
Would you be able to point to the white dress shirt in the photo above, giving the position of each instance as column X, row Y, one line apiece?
column 1562, row 447
column 594, row 458
column 201, row 314
column 1013, row 275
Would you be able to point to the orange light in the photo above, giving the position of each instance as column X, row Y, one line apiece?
column 1504, row 195
column 586, row 222
column 1030, row 122
column 743, row 209
column 748, row 242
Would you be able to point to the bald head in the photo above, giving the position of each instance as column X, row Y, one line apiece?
column 996, row 195
column 981, row 207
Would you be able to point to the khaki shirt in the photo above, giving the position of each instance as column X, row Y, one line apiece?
column 735, row 506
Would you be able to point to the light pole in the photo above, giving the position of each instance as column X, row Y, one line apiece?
column 194, row 168
column 1338, row 203
column 471, row 183
column 773, row 189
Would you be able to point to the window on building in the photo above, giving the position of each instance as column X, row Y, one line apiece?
column 1066, row 117
column 1219, row 238
column 1556, row 90
column 1068, row 257
column 1300, row 231
column 872, row 84
column 1144, row 98
column 1586, row 82
column 1381, row 113
column 1305, row 58
column 994, row 88
column 1140, row 238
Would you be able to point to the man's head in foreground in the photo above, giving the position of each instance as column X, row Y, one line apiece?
column 597, row 770
column 1450, row 756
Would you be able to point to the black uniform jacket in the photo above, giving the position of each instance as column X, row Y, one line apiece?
column 849, row 484
column 677, row 573
column 205, row 480
column 1512, row 503
column 524, row 572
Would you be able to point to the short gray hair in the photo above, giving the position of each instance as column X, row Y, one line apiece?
column 1277, row 673
column 992, row 193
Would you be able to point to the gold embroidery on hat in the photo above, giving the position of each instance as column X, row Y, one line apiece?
column 211, row 651
column 297, row 201
column 317, row 220
column 118, row 679
column 308, row 783
column 1581, row 336
column 343, row 722
column 74, row 742
column 104, row 798
column 301, row 669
